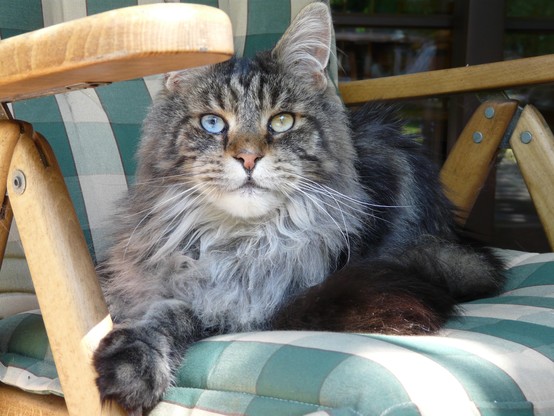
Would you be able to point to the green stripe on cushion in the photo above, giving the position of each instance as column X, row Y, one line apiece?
column 20, row 16
column 212, row 3
column 537, row 337
column 99, row 6
column 297, row 373
column 37, row 367
column 239, row 365
column 43, row 113
column 7, row 328
column 8, row 33
column 269, row 406
column 534, row 274
column 126, row 119
column 29, row 338
column 230, row 402
column 178, row 400
column 488, row 386
column 351, row 380
column 199, row 360
column 518, row 300
column 265, row 28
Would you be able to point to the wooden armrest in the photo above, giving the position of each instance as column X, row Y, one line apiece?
column 113, row 46
column 497, row 75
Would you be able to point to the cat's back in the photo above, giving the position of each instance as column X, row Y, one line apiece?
column 400, row 179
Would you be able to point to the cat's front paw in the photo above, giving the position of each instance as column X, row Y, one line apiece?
column 133, row 368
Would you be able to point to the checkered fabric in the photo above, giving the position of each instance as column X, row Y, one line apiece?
column 94, row 133
column 495, row 358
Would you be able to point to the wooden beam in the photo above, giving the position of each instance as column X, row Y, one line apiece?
column 19, row 403
column 9, row 135
column 533, row 144
column 465, row 171
column 72, row 305
column 113, row 46
column 497, row 75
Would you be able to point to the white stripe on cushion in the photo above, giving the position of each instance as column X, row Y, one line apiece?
column 531, row 370
column 57, row 11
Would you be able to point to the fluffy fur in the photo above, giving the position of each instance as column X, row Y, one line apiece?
column 335, row 221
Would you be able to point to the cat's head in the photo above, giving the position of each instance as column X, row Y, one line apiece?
column 250, row 134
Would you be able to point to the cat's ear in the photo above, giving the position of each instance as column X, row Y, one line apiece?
column 306, row 45
column 173, row 81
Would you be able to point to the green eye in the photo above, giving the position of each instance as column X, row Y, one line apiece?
column 281, row 122
column 212, row 123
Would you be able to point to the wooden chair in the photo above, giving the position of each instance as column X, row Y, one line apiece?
column 53, row 241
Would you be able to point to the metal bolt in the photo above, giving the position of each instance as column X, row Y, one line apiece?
column 19, row 183
column 489, row 112
column 477, row 137
column 526, row 137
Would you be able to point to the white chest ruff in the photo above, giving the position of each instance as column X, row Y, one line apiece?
column 241, row 288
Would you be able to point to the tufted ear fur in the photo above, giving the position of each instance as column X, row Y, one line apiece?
column 305, row 46
column 174, row 81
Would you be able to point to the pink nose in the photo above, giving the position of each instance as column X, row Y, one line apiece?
column 248, row 159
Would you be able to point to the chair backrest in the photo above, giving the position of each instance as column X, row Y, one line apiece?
column 94, row 133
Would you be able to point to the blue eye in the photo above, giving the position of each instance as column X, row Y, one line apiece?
column 212, row 123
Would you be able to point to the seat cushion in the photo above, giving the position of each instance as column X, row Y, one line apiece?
column 494, row 358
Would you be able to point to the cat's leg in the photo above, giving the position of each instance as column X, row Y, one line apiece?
column 137, row 360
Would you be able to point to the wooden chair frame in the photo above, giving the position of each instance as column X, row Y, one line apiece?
column 76, row 316
column 496, row 122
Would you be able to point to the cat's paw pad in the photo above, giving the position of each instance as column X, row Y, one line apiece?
column 133, row 368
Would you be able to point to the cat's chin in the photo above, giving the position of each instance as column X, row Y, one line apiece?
column 248, row 203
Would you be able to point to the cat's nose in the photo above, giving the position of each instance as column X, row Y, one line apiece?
column 248, row 159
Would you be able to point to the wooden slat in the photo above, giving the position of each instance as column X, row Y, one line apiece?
column 498, row 75
column 75, row 314
column 9, row 135
column 113, row 46
column 536, row 162
column 468, row 164
column 18, row 403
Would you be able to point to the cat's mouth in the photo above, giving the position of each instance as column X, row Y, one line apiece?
column 249, row 200
column 249, row 187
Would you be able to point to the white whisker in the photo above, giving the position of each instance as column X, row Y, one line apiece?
column 158, row 206
column 317, row 202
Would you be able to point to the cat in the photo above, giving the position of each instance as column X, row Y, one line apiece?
column 262, row 203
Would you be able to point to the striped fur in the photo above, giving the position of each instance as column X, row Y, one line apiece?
column 334, row 221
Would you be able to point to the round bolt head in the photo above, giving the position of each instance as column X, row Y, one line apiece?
column 18, row 181
column 526, row 137
column 489, row 112
column 477, row 137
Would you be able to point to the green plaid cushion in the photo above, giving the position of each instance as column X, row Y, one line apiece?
column 496, row 358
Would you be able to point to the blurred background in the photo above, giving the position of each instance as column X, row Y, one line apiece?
column 377, row 38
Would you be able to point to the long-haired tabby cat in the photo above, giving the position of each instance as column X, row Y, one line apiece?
column 261, row 203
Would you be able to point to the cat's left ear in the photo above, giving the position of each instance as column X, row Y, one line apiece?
column 306, row 45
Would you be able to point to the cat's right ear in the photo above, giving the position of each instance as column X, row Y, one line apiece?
column 172, row 80
column 175, row 80
column 305, row 47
